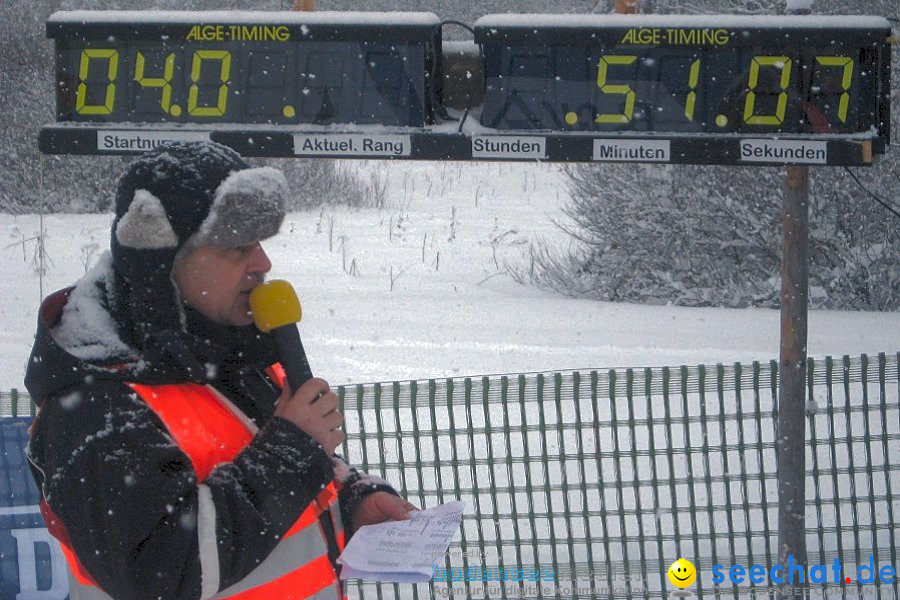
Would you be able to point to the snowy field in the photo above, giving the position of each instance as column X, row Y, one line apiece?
column 418, row 289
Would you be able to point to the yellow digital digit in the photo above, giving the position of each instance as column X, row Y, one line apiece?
column 224, row 73
column 164, row 82
column 778, row 62
column 112, row 71
column 609, row 88
column 691, row 101
column 847, row 63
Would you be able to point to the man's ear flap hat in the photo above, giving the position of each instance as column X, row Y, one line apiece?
column 176, row 197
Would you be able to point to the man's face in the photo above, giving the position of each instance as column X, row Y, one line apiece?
column 217, row 281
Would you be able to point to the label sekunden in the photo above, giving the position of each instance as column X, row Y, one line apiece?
column 784, row 151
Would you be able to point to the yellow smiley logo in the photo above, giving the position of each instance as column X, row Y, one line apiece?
column 682, row 573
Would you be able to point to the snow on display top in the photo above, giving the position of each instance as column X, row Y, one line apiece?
column 155, row 17
column 534, row 20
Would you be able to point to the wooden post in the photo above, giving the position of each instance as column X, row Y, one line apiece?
column 626, row 7
column 305, row 5
column 791, row 435
column 791, row 440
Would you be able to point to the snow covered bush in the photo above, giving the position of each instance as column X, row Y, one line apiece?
column 710, row 236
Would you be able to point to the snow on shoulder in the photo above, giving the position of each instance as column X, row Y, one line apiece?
column 86, row 330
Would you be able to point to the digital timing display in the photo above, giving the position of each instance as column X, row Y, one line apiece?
column 245, row 67
column 686, row 74
column 677, row 89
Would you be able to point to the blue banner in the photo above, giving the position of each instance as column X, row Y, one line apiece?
column 32, row 566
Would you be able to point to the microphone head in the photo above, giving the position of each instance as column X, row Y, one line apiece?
column 274, row 304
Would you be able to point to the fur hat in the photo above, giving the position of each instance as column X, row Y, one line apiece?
column 176, row 197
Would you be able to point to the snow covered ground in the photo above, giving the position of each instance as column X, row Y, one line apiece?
column 418, row 289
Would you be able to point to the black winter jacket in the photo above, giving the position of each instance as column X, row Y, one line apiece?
column 125, row 494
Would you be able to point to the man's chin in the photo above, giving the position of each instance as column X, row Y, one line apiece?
column 242, row 318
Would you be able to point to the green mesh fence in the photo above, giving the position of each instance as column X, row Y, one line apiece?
column 607, row 477
column 592, row 483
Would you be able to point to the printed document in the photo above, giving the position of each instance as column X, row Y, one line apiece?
column 402, row 551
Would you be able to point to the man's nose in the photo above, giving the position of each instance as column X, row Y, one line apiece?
column 259, row 260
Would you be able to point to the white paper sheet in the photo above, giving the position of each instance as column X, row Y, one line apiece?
column 402, row 551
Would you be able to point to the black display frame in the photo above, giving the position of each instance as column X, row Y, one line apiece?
column 412, row 38
column 503, row 35
column 462, row 136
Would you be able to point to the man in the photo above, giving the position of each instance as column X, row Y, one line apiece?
column 172, row 458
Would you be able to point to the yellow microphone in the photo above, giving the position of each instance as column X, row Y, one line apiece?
column 276, row 310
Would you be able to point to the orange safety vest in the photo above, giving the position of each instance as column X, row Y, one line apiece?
column 211, row 430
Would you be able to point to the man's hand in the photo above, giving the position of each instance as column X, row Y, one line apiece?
column 313, row 408
column 379, row 507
